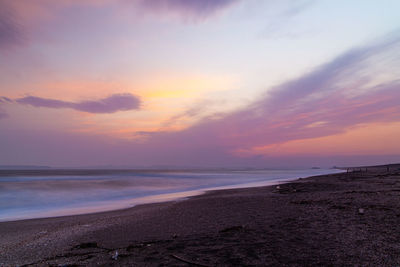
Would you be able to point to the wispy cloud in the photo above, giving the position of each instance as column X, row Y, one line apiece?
column 11, row 32
column 18, row 18
column 111, row 104
column 4, row 100
column 297, row 7
column 341, row 94
column 187, row 9
column 358, row 87
column 283, row 24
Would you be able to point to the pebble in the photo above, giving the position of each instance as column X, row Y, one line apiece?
column 115, row 256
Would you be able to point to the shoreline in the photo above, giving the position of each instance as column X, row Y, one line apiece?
column 249, row 226
column 165, row 198
column 107, row 206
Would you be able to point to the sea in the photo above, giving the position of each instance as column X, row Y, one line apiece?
column 50, row 193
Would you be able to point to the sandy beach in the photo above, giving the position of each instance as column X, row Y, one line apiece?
column 335, row 220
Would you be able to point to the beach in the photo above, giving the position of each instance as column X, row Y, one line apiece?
column 340, row 219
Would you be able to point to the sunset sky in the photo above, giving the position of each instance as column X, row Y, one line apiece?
column 199, row 83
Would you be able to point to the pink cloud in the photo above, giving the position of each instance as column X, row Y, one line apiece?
column 331, row 99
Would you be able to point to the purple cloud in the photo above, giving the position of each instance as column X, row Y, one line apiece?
column 329, row 100
column 195, row 9
column 10, row 29
column 4, row 99
column 111, row 104
column 333, row 98
column 360, row 86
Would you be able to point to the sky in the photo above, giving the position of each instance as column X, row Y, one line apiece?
column 199, row 83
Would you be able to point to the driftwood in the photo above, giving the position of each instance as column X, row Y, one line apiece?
column 188, row 262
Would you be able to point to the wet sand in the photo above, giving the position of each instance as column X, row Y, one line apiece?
column 335, row 220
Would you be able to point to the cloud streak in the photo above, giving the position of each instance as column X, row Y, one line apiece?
column 335, row 97
column 358, row 87
column 332, row 98
column 188, row 9
column 361, row 86
column 11, row 33
column 111, row 104
column 4, row 100
column 19, row 19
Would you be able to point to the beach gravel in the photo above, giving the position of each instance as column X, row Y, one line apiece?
column 331, row 220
